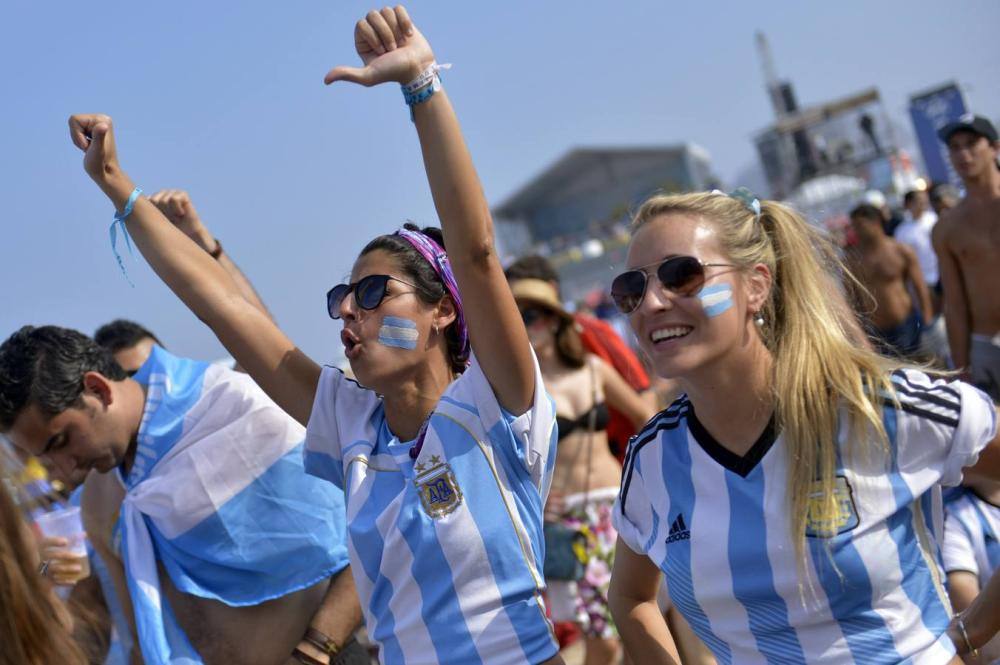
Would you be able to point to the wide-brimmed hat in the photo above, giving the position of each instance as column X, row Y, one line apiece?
column 539, row 292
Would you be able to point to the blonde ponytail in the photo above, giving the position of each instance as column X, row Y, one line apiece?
column 822, row 360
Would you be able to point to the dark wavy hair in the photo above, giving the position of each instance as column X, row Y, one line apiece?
column 45, row 366
column 430, row 287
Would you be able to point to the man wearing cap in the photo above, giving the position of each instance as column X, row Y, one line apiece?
column 967, row 241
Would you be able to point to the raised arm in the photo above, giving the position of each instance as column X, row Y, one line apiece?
column 621, row 397
column 248, row 333
column 176, row 205
column 393, row 50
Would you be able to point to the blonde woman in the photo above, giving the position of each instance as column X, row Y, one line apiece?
column 791, row 496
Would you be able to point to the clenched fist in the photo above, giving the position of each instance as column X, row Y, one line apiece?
column 176, row 205
column 93, row 133
column 391, row 49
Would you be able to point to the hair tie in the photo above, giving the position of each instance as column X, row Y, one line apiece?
column 744, row 196
column 438, row 258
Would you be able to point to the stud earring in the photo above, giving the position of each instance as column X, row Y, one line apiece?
column 759, row 319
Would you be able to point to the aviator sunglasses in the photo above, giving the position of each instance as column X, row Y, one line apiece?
column 683, row 275
column 369, row 292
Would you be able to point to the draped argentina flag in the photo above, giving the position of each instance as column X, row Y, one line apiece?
column 218, row 495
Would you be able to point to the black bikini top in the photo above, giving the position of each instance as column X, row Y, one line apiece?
column 569, row 425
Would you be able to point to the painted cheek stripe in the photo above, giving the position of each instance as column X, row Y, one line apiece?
column 716, row 299
column 398, row 333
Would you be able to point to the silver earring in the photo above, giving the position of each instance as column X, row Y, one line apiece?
column 436, row 331
column 759, row 319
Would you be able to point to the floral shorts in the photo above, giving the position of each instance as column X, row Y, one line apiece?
column 586, row 601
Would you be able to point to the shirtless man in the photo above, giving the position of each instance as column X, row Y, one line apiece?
column 889, row 270
column 967, row 242
column 62, row 397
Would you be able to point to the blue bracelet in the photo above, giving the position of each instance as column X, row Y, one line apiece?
column 119, row 220
column 422, row 95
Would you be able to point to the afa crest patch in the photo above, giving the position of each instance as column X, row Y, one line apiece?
column 824, row 520
column 438, row 489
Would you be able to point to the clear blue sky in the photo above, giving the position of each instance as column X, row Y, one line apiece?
column 226, row 100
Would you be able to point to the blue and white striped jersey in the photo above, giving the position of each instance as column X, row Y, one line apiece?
column 972, row 536
column 447, row 548
column 717, row 525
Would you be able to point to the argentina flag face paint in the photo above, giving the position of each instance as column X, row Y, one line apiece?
column 399, row 333
column 716, row 299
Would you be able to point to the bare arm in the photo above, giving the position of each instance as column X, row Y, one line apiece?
column 956, row 309
column 632, row 599
column 339, row 615
column 248, row 333
column 621, row 397
column 495, row 327
column 981, row 617
column 176, row 205
column 916, row 277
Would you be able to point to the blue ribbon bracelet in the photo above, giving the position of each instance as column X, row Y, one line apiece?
column 119, row 221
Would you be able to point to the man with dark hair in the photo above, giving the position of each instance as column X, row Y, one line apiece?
column 129, row 343
column 199, row 503
column 967, row 241
column 888, row 270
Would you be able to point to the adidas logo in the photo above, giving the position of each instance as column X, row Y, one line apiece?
column 678, row 530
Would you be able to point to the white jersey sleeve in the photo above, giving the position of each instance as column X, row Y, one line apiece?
column 941, row 427
column 958, row 551
column 633, row 515
column 533, row 431
column 341, row 412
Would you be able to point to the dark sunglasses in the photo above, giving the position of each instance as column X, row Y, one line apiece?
column 683, row 275
column 369, row 292
column 531, row 315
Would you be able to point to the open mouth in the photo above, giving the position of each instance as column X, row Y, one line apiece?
column 352, row 345
column 669, row 333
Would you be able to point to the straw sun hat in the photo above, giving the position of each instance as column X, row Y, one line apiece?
column 541, row 293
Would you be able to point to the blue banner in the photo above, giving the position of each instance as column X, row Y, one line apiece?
column 930, row 112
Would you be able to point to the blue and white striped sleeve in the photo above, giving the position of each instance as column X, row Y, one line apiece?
column 633, row 516
column 341, row 408
column 533, row 432
column 942, row 426
column 957, row 549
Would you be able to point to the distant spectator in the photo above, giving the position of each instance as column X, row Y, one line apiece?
column 915, row 231
column 888, row 270
column 890, row 219
column 943, row 196
column 129, row 342
column 598, row 338
column 967, row 240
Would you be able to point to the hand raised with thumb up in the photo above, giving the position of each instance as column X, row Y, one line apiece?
column 391, row 49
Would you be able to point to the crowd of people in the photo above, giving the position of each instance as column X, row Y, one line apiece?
column 784, row 465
